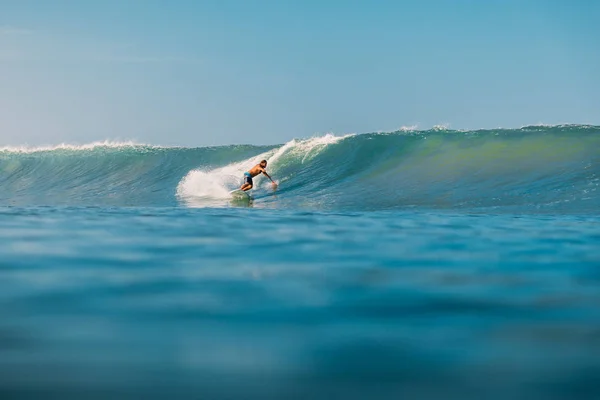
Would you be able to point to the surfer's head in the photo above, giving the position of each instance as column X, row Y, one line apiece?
column 263, row 163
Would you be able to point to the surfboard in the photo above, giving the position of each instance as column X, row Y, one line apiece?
column 240, row 195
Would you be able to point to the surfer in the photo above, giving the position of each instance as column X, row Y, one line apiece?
column 258, row 169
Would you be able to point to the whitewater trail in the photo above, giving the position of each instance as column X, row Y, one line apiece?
column 215, row 184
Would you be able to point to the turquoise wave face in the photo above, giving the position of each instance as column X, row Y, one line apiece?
column 532, row 169
column 116, row 175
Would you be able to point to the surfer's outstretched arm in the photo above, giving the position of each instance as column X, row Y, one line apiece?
column 267, row 175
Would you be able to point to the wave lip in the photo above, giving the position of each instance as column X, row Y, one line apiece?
column 106, row 144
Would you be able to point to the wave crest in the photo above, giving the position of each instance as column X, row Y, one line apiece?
column 106, row 144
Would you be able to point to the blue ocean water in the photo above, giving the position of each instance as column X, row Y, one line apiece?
column 419, row 264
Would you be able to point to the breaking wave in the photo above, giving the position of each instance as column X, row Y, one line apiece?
column 532, row 169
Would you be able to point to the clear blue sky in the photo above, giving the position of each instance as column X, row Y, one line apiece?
column 219, row 72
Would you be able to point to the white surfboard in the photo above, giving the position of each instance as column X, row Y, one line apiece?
column 238, row 194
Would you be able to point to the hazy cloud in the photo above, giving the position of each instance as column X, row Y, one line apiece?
column 7, row 30
column 136, row 59
column 49, row 47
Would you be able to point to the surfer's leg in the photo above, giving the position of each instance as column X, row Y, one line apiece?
column 247, row 183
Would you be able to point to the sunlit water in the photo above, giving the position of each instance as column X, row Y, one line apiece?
column 266, row 303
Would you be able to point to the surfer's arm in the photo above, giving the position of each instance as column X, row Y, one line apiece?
column 267, row 175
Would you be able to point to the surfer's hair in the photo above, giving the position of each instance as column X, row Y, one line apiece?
column 263, row 161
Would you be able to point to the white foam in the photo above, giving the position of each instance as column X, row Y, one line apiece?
column 539, row 124
column 410, row 128
column 563, row 125
column 308, row 147
column 73, row 147
column 441, row 127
